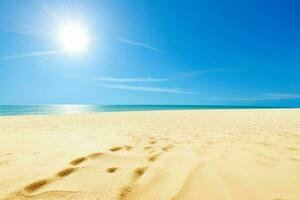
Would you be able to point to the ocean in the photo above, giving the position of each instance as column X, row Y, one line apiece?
column 7, row 110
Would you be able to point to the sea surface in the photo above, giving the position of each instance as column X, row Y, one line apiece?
column 6, row 110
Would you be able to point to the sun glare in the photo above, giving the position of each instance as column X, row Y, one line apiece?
column 73, row 38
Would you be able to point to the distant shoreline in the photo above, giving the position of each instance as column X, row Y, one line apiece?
column 19, row 110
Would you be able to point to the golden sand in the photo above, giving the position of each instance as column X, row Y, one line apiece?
column 153, row 155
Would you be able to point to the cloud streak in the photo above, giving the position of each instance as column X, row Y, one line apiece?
column 116, row 79
column 202, row 72
column 151, row 79
column 282, row 96
column 263, row 97
column 138, row 44
column 28, row 55
column 144, row 89
column 112, row 82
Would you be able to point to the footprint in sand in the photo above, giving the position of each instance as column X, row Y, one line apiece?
column 138, row 172
column 153, row 157
column 95, row 155
column 43, row 182
column 124, row 191
column 148, row 147
column 152, row 142
column 77, row 161
column 66, row 172
column 36, row 185
column 167, row 147
column 111, row 169
column 117, row 148
column 127, row 147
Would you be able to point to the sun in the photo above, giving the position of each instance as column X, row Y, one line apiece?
column 73, row 38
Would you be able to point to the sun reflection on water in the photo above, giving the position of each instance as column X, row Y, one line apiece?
column 70, row 109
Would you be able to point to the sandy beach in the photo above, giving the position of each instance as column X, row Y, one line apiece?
column 153, row 155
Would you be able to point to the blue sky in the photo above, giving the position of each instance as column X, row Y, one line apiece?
column 152, row 52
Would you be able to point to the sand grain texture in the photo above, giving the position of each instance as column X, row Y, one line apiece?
column 154, row 155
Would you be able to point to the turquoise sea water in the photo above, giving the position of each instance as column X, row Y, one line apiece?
column 6, row 110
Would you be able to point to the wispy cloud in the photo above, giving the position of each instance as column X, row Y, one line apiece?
column 239, row 99
column 104, row 81
column 202, row 72
column 263, row 97
column 144, row 89
column 27, row 55
column 180, row 76
column 142, row 79
column 138, row 44
column 282, row 96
